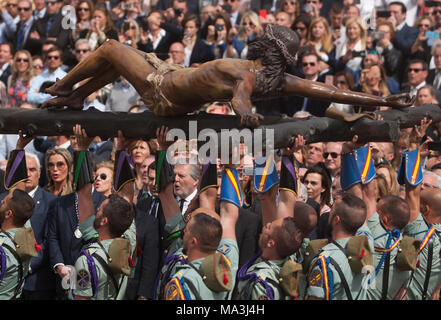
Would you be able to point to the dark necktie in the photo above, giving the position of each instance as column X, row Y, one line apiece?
column 181, row 204
column 20, row 37
column 50, row 21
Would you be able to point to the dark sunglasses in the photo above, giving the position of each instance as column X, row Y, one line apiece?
column 24, row 9
column 341, row 83
column 82, row 50
column 22, row 60
column 334, row 155
column 312, row 64
column 53, row 57
column 59, row 164
column 102, row 176
column 434, row 12
column 50, row 2
column 248, row 24
column 83, row 9
column 414, row 70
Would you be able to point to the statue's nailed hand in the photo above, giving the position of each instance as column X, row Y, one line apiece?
column 402, row 100
column 250, row 120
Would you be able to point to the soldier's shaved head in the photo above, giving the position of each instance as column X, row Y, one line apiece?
column 431, row 204
column 305, row 218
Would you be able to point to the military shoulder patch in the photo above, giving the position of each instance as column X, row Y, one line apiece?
column 174, row 291
column 224, row 248
column 83, row 279
column 315, row 278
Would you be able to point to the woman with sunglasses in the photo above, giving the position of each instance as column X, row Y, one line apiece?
column 129, row 33
column 249, row 29
column 104, row 178
column 292, row 7
column 59, row 166
column 37, row 65
column 83, row 12
column 101, row 28
column 301, row 26
column 19, row 81
column 421, row 47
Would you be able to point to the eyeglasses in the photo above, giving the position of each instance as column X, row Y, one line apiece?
column 11, row 5
column 83, row 9
column 102, row 176
column 424, row 25
column 50, row 3
column 300, row 28
column 22, row 60
column 414, row 70
column 341, row 83
column 248, row 24
column 305, row 64
column 53, row 57
column 59, row 164
column 24, row 9
column 435, row 12
column 334, row 155
column 82, row 50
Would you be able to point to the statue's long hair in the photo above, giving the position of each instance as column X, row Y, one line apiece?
column 270, row 79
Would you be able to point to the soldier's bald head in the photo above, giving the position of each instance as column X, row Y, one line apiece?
column 432, row 199
column 305, row 217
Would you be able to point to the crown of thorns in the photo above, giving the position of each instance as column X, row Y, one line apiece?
column 281, row 35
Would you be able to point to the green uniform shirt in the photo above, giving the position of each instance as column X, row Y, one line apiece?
column 106, row 287
column 298, row 257
column 10, row 280
column 418, row 229
column 397, row 278
column 187, row 283
column 329, row 284
column 268, row 271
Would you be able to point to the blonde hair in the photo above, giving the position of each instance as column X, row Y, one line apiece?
column 383, row 81
column 325, row 40
column 29, row 73
column 363, row 30
column 69, row 179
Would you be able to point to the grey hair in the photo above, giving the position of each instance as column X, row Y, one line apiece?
column 35, row 157
column 435, row 176
column 436, row 44
column 81, row 41
column 195, row 171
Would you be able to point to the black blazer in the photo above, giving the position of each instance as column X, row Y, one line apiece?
column 103, row 153
column 405, row 38
column 5, row 75
column 201, row 52
column 64, row 247
column 163, row 45
column 148, row 257
column 56, row 31
column 248, row 229
column 30, row 44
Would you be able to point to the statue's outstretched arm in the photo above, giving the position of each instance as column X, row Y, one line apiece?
column 293, row 85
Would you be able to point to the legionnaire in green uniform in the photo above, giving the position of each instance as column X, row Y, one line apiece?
column 424, row 227
column 101, row 266
column 392, row 215
column 270, row 274
column 17, row 244
column 208, row 269
column 335, row 272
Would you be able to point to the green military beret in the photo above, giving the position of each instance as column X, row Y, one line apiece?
column 216, row 272
column 312, row 249
column 25, row 244
column 359, row 253
column 407, row 255
column 119, row 254
column 289, row 278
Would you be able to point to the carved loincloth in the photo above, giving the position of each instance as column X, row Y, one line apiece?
column 155, row 99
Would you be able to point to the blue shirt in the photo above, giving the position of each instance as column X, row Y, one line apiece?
column 34, row 94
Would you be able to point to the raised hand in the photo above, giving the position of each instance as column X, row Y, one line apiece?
column 23, row 140
column 83, row 141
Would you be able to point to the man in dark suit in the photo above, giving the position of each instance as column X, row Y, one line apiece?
column 24, row 28
column 311, row 71
column 434, row 76
column 50, row 27
column 405, row 35
column 40, row 282
column 5, row 62
column 101, row 150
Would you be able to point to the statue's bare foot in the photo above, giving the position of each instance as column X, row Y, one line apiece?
column 59, row 102
column 57, row 90
column 250, row 120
